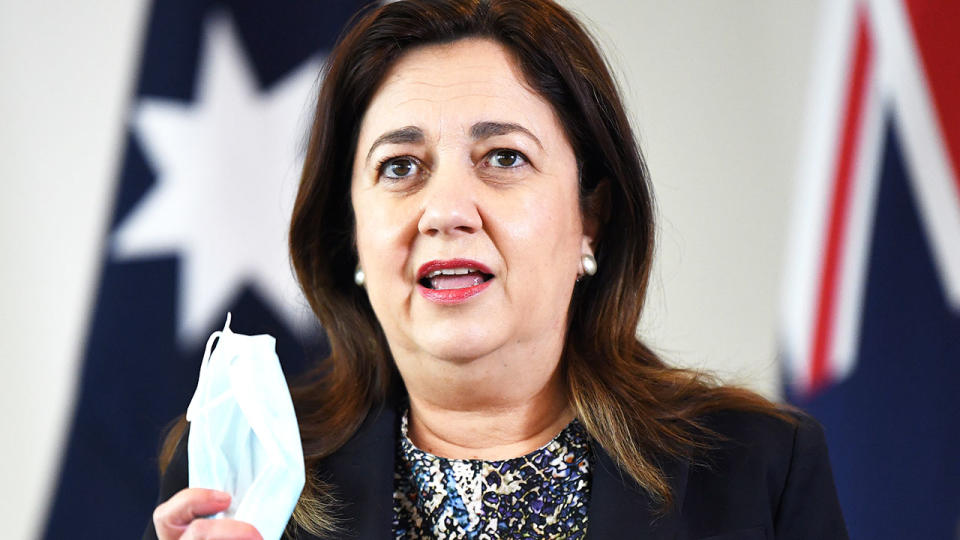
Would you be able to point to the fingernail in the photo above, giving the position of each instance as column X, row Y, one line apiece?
column 221, row 496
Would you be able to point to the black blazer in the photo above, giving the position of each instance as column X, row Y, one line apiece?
column 767, row 480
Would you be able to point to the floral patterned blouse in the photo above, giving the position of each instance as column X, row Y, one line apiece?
column 544, row 494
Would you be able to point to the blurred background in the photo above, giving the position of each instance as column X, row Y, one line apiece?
column 745, row 111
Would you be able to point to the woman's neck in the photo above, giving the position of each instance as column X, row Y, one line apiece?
column 464, row 422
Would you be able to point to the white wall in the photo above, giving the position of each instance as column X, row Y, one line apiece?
column 717, row 91
column 65, row 71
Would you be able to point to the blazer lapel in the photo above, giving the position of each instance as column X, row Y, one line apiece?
column 620, row 508
column 362, row 471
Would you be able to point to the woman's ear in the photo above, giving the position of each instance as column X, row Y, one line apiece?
column 596, row 214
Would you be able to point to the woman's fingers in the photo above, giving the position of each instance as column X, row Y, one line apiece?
column 220, row 529
column 173, row 517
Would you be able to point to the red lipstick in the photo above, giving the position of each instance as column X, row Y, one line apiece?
column 452, row 281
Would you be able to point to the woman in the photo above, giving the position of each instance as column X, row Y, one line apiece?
column 474, row 229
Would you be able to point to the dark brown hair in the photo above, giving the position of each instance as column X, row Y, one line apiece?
column 635, row 406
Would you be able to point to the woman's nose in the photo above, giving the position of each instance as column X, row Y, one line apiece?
column 449, row 205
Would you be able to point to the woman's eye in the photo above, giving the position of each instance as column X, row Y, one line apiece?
column 506, row 158
column 399, row 168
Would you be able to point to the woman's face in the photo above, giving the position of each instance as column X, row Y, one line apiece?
column 465, row 192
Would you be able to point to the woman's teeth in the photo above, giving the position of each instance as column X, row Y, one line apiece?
column 456, row 281
column 454, row 278
column 450, row 272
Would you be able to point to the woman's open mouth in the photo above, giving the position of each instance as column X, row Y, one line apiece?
column 452, row 281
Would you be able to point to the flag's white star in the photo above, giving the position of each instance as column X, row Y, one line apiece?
column 226, row 171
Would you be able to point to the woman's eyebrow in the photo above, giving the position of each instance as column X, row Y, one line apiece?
column 484, row 130
column 406, row 134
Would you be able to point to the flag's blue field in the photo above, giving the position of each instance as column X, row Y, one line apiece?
column 222, row 105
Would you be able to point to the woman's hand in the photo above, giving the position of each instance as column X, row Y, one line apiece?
column 181, row 517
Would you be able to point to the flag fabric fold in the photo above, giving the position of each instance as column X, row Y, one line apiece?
column 871, row 319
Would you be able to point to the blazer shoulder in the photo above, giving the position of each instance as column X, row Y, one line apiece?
column 761, row 430
column 770, row 470
column 750, row 444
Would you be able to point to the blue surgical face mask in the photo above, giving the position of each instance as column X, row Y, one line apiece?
column 244, row 438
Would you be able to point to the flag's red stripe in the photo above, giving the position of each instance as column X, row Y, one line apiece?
column 935, row 28
column 840, row 205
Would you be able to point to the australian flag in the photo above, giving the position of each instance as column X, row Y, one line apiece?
column 871, row 325
column 215, row 140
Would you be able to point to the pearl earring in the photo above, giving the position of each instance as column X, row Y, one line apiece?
column 359, row 277
column 588, row 264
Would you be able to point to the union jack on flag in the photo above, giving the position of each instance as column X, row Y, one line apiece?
column 871, row 319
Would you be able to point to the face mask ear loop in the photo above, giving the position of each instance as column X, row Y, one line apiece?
column 203, row 367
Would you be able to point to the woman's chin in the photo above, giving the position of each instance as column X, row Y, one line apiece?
column 461, row 347
column 460, row 336
column 461, row 355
